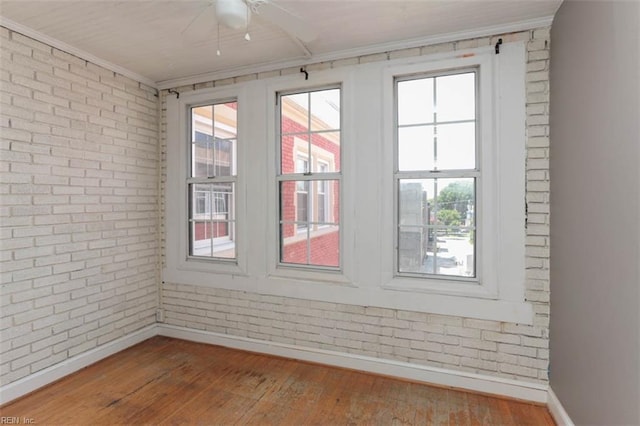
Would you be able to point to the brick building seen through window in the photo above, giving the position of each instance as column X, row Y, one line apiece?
column 309, row 178
column 212, row 181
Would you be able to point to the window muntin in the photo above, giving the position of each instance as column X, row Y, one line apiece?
column 309, row 178
column 436, row 176
column 211, row 184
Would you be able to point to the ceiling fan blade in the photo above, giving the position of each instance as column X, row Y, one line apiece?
column 286, row 20
column 202, row 26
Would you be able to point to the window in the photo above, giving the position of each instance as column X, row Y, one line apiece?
column 309, row 178
column 436, row 175
column 212, row 179
column 311, row 217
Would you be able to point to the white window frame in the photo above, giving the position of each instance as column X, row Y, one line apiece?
column 312, row 178
column 179, row 165
column 475, row 174
column 500, row 192
column 312, row 274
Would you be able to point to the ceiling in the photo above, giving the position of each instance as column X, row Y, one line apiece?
column 148, row 38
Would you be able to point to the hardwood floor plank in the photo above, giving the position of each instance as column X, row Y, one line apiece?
column 45, row 404
column 479, row 412
column 458, row 408
column 173, row 382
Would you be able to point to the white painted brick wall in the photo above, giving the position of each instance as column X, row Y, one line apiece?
column 79, row 194
column 79, row 237
column 486, row 347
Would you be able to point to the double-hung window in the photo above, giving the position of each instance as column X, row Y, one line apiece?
column 212, row 179
column 437, row 174
column 309, row 178
column 424, row 212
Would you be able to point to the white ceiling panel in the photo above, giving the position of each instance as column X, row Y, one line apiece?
column 149, row 39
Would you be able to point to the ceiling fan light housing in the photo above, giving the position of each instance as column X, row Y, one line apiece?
column 232, row 13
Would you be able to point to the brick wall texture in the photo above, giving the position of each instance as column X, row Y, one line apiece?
column 499, row 349
column 82, row 227
column 79, row 206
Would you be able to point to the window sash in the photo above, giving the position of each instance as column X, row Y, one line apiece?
column 313, row 181
column 213, row 225
column 435, row 173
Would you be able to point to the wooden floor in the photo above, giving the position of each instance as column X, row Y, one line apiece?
column 168, row 381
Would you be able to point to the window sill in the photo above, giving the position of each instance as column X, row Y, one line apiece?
column 192, row 270
column 449, row 287
column 310, row 275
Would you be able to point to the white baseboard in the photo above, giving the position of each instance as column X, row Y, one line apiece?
column 527, row 391
column 458, row 379
column 557, row 410
column 49, row 375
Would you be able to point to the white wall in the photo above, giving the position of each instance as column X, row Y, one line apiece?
column 79, row 215
column 500, row 349
column 595, row 323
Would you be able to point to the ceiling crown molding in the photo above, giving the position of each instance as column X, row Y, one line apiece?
column 511, row 27
column 60, row 45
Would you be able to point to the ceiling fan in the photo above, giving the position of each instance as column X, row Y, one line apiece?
column 237, row 14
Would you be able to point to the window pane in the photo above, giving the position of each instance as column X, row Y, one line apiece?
column 201, row 235
column 325, row 150
column 295, row 249
column 416, row 148
column 456, row 97
column 415, row 101
column 295, row 204
column 313, row 202
column 326, row 202
column 436, row 251
column 292, row 148
column 454, row 254
column 309, row 209
column 226, row 120
column 294, row 113
column 455, row 195
column 313, row 247
column 325, row 110
column 212, row 217
column 324, row 246
column 309, row 216
column 412, row 249
column 456, row 146
column 213, row 150
column 436, row 232
column 202, row 137
column 310, row 126
column 224, row 164
column 414, row 196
